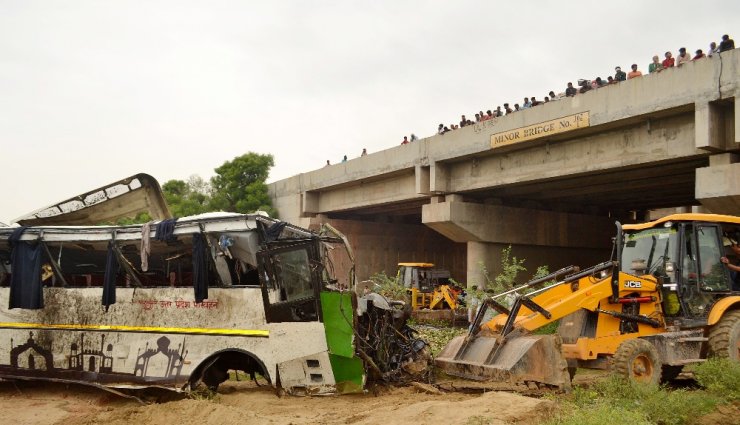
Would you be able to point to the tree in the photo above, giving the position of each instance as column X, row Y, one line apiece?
column 239, row 184
column 187, row 198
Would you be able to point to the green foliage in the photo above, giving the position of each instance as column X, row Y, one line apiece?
column 187, row 198
column 389, row 287
column 602, row 414
column 548, row 329
column 720, row 376
column 510, row 268
column 438, row 337
column 239, row 184
column 633, row 402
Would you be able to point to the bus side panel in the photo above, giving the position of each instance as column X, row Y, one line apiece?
column 151, row 336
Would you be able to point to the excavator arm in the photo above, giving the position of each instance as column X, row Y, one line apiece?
column 504, row 349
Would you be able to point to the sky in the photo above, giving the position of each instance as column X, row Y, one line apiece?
column 95, row 91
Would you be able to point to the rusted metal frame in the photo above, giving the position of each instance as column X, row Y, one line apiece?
column 54, row 265
column 124, row 263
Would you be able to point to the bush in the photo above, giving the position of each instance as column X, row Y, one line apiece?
column 438, row 338
column 720, row 376
column 389, row 287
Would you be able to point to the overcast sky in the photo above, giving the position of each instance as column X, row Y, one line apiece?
column 94, row 91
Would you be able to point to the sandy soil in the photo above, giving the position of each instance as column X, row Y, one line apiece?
column 23, row 403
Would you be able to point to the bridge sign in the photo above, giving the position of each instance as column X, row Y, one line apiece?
column 535, row 131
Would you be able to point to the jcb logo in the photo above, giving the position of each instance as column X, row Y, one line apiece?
column 633, row 284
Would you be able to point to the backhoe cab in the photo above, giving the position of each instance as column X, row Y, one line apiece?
column 664, row 301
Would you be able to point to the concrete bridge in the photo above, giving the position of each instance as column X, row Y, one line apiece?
column 550, row 181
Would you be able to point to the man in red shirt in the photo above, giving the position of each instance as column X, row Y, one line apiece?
column 668, row 62
column 699, row 55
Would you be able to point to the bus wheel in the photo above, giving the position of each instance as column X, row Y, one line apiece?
column 214, row 376
column 724, row 337
column 638, row 360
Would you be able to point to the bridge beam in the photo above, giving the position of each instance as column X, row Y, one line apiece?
column 549, row 238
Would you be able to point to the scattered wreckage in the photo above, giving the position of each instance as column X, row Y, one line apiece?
column 178, row 303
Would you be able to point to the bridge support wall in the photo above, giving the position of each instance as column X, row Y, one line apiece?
column 554, row 239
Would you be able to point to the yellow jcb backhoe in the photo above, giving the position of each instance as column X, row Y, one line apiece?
column 428, row 287
column 665, row 300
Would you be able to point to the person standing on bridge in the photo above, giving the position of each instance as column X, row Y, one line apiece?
column 683, row 57
column 619, row 75
column 713, row 49
column 726, row 44
column 655, row 66
column 668, row 62
column 634, row 73
column 570, row 91
column 527, row 103
column 508, row 109
column 463, row 121
column 405, row 140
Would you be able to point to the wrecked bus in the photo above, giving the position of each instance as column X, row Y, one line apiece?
column 179, row 303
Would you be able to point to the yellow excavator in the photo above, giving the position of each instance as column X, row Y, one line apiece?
column 666, row 299
column 429, row 288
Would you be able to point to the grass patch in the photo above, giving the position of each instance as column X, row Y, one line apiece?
column 203, row 393
column 478, row 420
column 720, row 376
column 438, row 337
column 618, row 399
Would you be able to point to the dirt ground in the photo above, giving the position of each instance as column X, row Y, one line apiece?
column 25, row 403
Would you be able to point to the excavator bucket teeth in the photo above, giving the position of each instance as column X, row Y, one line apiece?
column 522, row 359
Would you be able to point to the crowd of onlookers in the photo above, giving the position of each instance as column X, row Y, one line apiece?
column 583, row 86
column 586, row 85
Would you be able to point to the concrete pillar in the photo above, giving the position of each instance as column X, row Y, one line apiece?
column 737, row 120
column 477, row 255
column 438, row 177
column 718, row 186
column 539, row 237
column 709, row 127
column 309, row 203
column 421, row 174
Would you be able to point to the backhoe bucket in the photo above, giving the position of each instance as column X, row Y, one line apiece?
column 520, row 359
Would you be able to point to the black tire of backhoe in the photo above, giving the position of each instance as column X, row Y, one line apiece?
column 724, row 336
column 629, row 350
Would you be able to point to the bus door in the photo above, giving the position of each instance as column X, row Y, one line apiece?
column 290, row 279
